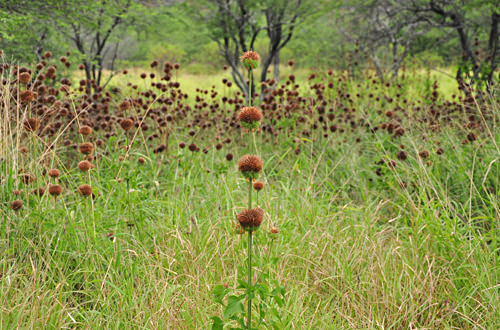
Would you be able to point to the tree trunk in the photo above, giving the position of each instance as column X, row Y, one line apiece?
column 277, row 66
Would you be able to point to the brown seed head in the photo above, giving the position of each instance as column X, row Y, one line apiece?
column 274, row 230
column 86, row 148
column 55, row 189
column 85, row 190
column 54, row 173
column 85, row 165
column 250, row 115
column 423, row 154
column 38, row 191
column 85, row 130
column 127, row 124
column 402, row 155
column 124, row 105
column 31, row 124
column 27, row 178
column 250, row 219
column 16, row 205
column 250, row 165
column 26, row 96
column 24, row 78
column 258, row 185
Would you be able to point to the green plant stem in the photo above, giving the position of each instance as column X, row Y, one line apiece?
column 250, row 78
column 249, row 193
column 249, row 313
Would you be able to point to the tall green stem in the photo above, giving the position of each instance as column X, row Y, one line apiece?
column 250, row 83
column 249, row 291
column 249, row 322
column 249, row 313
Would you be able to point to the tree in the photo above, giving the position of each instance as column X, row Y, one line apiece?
column 236, row 24
column 382, row 26
column 94, row 27
column 470, row 19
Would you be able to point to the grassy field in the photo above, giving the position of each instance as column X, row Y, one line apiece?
column 379, row 228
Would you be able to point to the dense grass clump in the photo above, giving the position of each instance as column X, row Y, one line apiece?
column 119, row 206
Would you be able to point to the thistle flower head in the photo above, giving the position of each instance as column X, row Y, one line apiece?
column 127, row 124
column 250, row 166
column 16, row 205
column 55, row 189
column 26, row 96
column 250, row 219
column 31, row 124
column 85, row 190
column 24, row 78
column 54, row 173
column 85, row 165
column 85, row 130
column 250, row 60
column 258, row 185
column 86, row 148
column 250, row 117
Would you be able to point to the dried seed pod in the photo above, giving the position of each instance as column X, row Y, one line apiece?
column 85, row 190
column 16, row 205
column 250, row 117
column 31, row 124
column 86, row 148
column 250, row 219
column 85, row 130
column 258, row 185
column 250, row 166
column 85, row 165
column 127, row 124
column 54, row 173
column 55, row 189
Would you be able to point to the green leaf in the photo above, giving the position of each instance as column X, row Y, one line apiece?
column 219, row 292
column 217, row 324
column 234, row 306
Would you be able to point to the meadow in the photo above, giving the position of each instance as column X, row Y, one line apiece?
column 119, row 206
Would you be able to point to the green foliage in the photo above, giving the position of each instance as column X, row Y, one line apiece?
column 270, row 296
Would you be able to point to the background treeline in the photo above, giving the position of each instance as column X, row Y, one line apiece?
column 336, row 34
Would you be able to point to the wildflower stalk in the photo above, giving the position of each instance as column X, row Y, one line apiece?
column 250, row 165
column 250, row 236
column 250, row 84
column 249, row 319
column 249, row 322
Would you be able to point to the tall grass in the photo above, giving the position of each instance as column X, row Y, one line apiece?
column 415, row 247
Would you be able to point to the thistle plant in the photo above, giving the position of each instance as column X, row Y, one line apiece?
column 249, row 220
